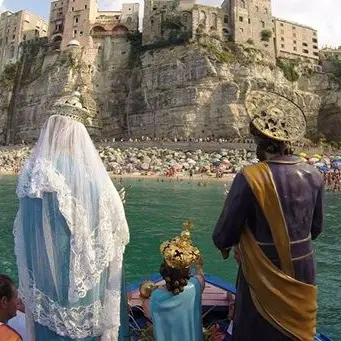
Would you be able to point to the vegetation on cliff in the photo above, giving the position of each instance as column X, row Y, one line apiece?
column 288, row 68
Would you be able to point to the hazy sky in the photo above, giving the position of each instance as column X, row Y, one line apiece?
column 324, row 15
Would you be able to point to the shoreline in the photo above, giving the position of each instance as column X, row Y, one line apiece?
column 226, row 178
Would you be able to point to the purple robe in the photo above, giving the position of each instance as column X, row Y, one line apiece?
column 300, row 189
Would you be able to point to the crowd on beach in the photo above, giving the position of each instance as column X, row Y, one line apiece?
column 177, row 164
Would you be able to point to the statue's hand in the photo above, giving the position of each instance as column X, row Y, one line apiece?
column 199, row 264
column 122, row 193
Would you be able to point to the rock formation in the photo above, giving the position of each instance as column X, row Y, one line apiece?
column 191, row 90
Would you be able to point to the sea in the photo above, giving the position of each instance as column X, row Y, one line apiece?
column 156, row 211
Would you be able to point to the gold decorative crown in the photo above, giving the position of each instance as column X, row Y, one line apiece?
column 180, row 252
column 71, row 106
column 276, row 116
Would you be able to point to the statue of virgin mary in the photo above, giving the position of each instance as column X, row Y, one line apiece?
column 70, row 234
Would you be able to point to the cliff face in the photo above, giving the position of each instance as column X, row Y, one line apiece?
column 194, row 90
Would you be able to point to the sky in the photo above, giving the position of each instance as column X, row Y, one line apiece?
column 324, row 15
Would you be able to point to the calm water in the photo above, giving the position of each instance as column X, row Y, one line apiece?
column 155, row 212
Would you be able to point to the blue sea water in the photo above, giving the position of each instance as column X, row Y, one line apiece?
column 156, row 211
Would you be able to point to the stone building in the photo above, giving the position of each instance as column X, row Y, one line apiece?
column 250, row 21
column 167, row 20
column 16, row 28
column 294, row 40
column 81, row 20
column 329, row 53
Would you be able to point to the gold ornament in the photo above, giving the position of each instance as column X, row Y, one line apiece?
column 180, row 252
column 146, row 289
column 275, row 116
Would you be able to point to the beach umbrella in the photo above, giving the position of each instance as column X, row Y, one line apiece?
column 336, row 164
column 323, row 169
column 313, row 160
column 320, row 164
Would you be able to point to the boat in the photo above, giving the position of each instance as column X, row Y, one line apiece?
column 214, row 304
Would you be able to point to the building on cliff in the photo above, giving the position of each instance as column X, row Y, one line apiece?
column 295, row 40
column 329, row 53
column 16, row 28
column 171, row 20
column 250, row 21
column 81, row 20
column 242, row 21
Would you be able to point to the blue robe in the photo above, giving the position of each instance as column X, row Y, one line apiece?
column 60, row 234
column 177, row 317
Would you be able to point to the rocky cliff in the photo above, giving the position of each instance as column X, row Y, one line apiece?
column 190, row 90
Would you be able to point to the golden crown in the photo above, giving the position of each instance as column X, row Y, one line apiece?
column 71, row 106
column 179, row 252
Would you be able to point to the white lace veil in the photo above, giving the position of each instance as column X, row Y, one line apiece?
column 66, row 165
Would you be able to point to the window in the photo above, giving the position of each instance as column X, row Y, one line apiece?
column 263, row 24
column 226, row 19
column 12, row 52
column 314, row 40
column 314, row 34
column 304, row 44
column 282, row 24
column 295, row 48
column 249, row 21
column 316, row 54
column 24, row 37
column 305, row 51
column 86, row 6
column 214, row 21
column 152, row 21
column 241, row 30
column 202, row 18
column 295, row 42
column 294, row 27
column 76, row 20
column 75, row 32
column 72, row 9
column 81, row 33
column 241, row 19
column 13, row 37
column 266, row 11
column 282, row 39
column 257, row 8
column 282, row 46
column 315, row 47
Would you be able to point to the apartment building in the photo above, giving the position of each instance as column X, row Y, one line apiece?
column 294, row 40
column 16, row 28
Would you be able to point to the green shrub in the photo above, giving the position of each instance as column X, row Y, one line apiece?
column 266, row 35
column 288, row 68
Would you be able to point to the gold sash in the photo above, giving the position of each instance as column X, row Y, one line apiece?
column 289, row 305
